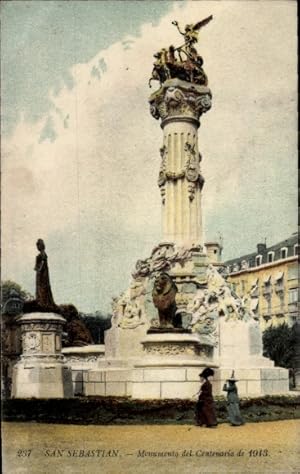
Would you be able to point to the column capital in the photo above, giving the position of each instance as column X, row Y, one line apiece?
column 180, row 100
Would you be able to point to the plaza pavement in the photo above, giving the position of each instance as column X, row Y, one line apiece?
column 269, row 447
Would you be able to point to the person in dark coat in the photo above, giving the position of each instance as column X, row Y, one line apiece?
column 233, row 407
column 205, row 407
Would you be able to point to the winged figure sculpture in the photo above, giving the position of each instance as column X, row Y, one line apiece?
column 191, row 31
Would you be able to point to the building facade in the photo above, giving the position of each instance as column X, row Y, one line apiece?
column 269, row 280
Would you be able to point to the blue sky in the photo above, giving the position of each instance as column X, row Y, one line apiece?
column 41, row 40
column 80, row 149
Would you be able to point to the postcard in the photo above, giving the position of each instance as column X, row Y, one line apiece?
column 149, row 236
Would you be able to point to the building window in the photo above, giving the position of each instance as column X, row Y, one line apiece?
column 293, row 272
column 279, row 282
column 267, row 288
column 244, row 265
column 270, row 257
column 293, row 295
column 283, row 252
column 296, row 249
column 281, row 300
column 258, row 260
column 254, row 288
column 267, row 280
column 254, row 305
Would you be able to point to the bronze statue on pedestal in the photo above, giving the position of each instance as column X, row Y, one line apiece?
column 164, row 294
column 187, row 66
column 43, row 292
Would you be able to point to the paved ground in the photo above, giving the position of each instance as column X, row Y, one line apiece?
column 256, row 447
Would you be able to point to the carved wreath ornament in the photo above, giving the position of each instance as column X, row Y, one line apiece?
column 31, row 342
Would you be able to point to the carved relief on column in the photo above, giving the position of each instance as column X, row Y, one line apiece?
column 166, row 175
column 162, row 178
column 177, row 97
column 193, row 175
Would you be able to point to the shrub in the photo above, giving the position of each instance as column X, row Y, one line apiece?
column 278, row 345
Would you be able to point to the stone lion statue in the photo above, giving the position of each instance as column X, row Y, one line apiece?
column 164, row 294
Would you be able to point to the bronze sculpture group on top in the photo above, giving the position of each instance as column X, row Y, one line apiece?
column 182, row 62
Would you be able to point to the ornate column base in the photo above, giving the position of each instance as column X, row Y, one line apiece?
column 41, row 372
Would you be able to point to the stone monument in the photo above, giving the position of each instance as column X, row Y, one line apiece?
column 41, row 371
column 147, row 356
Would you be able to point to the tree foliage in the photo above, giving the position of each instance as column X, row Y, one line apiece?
column 97, row 324
column 278, row 345
column 9, row 286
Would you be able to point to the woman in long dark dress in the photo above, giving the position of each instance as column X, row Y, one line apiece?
column 233, row 407
column 205, row 407
column 44, row 296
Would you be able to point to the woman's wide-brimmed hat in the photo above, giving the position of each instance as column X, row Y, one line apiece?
column 206, row 372
column 232, row 378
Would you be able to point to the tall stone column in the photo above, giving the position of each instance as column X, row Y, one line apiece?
column 179, row 104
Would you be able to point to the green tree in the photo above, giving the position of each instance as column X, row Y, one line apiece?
column 97, row 324
column 278, row 345
column 8, row 286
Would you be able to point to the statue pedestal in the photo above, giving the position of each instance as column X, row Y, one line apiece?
column 41, row 372
column 160, row 364
column 171, row 365
column 241, row 349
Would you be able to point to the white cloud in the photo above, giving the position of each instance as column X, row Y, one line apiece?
column 92, row 194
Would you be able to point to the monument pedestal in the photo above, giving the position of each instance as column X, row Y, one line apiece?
column 170, row 367
column 241, row 351
column 41, row 372
column 170, row 364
